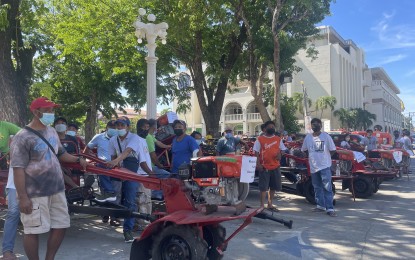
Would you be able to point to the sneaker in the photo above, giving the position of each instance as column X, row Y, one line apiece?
column 106, row 197
column 105, row 219
column 332, row 214
column 128, row 236
column 115, row 222
column 318, row 210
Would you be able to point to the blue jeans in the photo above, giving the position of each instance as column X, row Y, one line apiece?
column 106, row 183
column 161, row 174
column 12, row 221
column 129, row 193
column 322, row 189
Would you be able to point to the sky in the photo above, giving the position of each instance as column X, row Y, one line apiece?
column 385, row 30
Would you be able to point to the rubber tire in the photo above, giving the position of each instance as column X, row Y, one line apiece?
column 309, row 192
column 196, row 246
column 140, row 250
column 243, row 191
column 214, row 236
column 363, row 187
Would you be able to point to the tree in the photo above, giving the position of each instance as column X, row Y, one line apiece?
column 364, row 118
column 325, row 102
column 208, row 38
column 298, row 102
column 345, row 117
column 17, row 48
column 288, row 110
column 287, row 17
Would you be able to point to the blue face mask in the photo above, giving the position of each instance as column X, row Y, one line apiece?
column 71, row 133
column 228, row 135
column 122, row 132
column 112, row 132
column 198, row 141
column 47, row 118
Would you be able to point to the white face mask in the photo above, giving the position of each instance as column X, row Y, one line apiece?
column 60, row 128
column 71, row 133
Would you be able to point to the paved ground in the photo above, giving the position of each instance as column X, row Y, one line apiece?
column 382, row 227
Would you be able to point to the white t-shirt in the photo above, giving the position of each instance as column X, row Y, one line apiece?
column 318, row 148
column 137, row 144
column 10, row 180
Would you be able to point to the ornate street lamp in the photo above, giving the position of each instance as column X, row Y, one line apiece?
column 150, row 32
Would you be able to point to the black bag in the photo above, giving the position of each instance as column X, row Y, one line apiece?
column 131, row 163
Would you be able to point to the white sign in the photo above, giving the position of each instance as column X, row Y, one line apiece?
column 171, row 116
column 397, row 155
column 307, row 125
column 359, row 156
column 248, row 169
column 326, row 126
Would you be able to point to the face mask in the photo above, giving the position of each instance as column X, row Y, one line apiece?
column 347, row 139
column 122, row 132
column 198, row 141
column 60, row 128
column 316, row 128
column 228, row 135
column 178, row 132
column 71, row 133
column 270, row 131
column 142, row 133
column 112, row 132
column 47, row 118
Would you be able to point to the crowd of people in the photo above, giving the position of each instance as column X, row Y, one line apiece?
column 36, row 183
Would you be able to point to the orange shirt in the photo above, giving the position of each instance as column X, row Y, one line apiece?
column 270, row 148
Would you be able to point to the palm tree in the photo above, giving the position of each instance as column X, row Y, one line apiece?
column 344, row 116
column 298, row 99
column 325, row 102
column 364, row 118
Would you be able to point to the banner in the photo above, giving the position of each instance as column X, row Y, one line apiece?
column 359, row 156
column 397, row 155
column 248, row 169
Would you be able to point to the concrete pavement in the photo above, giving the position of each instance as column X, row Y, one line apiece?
column 381, row 227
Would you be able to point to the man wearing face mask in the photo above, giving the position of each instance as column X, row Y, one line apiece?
column 35, row 155
column 184, row 147
column 197, row 136
column 370, row 142
column 73, row 131
column 69, row 142
column 156, row 165
column 268, row 149
column 129, row 151
column 320, row 147
column 227, row 144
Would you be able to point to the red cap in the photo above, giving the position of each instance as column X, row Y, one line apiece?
column 42, row 102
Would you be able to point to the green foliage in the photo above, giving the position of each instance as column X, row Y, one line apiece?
column 325, row 102
column 4, row 22
column 355, row 118
column 298, row 100
column 288, row 110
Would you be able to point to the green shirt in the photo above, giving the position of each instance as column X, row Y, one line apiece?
column 6, row 130
column 151, row 143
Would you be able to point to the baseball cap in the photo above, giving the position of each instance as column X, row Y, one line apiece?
column 42, row 102
column 123, row 120
column 177, row 121
column 285, row 133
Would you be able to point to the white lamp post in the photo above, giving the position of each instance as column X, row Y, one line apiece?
column 150, row 32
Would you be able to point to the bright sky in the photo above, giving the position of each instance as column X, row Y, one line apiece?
column 385, row 29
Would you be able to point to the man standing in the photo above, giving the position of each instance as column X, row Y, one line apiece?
column 320, row 148
column 35, row 156
column 268, row 148
column 370, row 142
column 13, row 214
column 128, row 150
column 156, row 165
column 227, row 144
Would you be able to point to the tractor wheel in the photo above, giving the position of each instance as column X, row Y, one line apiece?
column 179, row 243
column 309, row 192
column 214, row 236
column 140, row 250
column 363, row 187
column 243, row 191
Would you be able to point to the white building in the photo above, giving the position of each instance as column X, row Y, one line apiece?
column 339, row 70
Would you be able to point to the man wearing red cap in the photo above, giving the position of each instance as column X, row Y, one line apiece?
column 39, row 180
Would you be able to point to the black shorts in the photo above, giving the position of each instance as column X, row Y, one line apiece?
column 270, row 179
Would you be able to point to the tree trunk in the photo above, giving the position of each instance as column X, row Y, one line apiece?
column 277, row 110
column 15, row 76
column 91, row 117
column 257, row 90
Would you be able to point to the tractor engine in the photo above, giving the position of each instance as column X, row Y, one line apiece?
column 215, row 180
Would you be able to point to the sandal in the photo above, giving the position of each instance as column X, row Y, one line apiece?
column 273, row 208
